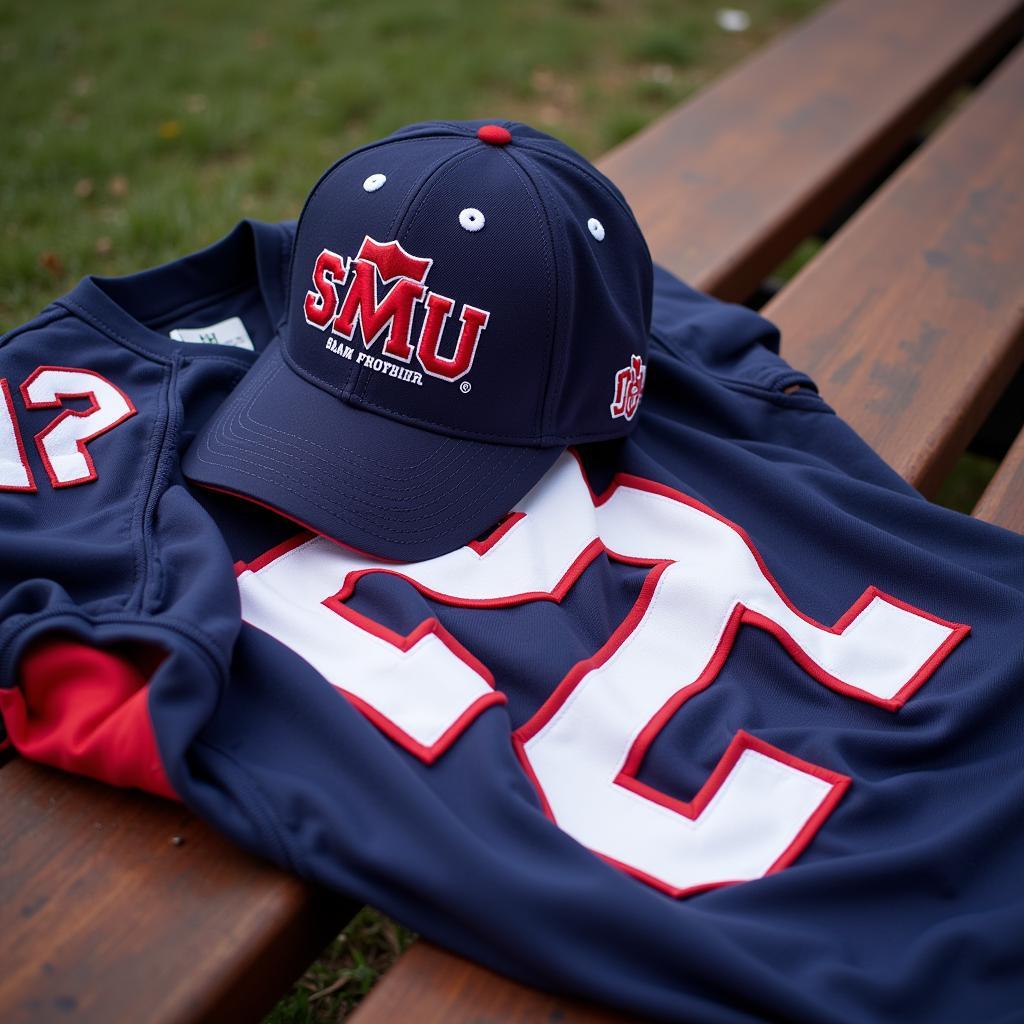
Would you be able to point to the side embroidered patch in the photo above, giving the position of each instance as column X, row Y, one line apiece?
column 629, row 388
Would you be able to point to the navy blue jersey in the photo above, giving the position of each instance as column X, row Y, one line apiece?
column 720, row 723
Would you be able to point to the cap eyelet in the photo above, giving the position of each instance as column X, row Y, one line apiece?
column 471, row 219
column 596, row 228
column 374, row 182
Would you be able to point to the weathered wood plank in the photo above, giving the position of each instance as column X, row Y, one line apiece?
column 726, row 185
column 911, row 320
column 110, row 918
column 1003, row 500
column 431, row 986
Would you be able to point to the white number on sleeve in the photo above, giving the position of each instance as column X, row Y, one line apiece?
column 15, row 472
column 583, row 748
column 62, row 444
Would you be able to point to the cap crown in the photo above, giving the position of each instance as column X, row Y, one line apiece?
column 492, row 291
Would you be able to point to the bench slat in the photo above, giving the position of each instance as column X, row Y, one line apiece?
column 1003, row 500
column 911, row 320
column 728, row 184
column 431, row 986
column 213, row 933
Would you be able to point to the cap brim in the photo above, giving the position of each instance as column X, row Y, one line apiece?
column 375, row 484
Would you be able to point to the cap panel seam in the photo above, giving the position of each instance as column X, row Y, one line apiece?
column 552, row 388
column 313, row 194
column 603, row 183
column 552, row 315
column 616, row 196
column 431, row 182
column 426, row 182
column 606, row 186
column 458, row 129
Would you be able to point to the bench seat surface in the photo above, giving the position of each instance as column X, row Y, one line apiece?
column 118, row 906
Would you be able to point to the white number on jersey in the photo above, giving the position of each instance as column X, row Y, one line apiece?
column 584, row 746
column 61, row 444
column 15, row 472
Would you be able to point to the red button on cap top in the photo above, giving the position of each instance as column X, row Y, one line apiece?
column 494, row 134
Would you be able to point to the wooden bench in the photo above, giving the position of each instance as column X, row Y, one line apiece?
column 114, row 906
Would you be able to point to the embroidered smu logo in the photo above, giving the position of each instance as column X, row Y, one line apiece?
column 390, row 318
column 629, row 387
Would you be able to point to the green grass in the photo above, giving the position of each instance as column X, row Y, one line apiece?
column 964, row 486
column 346, row 971
column 134, row 133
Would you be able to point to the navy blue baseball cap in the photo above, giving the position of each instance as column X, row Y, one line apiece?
column 466, row 300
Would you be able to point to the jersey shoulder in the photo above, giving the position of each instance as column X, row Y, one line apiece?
column 109, row 576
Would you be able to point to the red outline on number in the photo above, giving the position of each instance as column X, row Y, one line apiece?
column 274, row 553
column 958, row 630
column 626, row 776
column 481, row 547
column 556, row 594
column 427, row 754
column 80, row 442
column 19, row 440
column 692, row 809
column 741, row 742
column 336, row 604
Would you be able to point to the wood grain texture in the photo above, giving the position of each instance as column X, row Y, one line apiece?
column 107, row 917
column 430, row 986
column 1003, row 500
column 911, row 320
column 726, row 185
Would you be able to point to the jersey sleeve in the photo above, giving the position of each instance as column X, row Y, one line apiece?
column 728, row 341
column 718, row 385
column 115, row 591
column 118, row 607
column 717, row 368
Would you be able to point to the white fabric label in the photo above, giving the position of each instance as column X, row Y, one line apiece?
column 229, row 332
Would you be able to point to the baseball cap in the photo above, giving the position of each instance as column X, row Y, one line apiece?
column 466, row 300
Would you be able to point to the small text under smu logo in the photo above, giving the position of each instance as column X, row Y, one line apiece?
column 629, row 387
column 391, row 316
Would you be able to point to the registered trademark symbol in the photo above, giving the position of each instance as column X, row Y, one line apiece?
column 465, row 387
